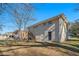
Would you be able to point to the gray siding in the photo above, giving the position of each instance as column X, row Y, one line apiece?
column 58, row 34
column 41, row 34
column 57, row 31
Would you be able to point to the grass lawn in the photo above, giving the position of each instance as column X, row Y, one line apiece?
column 67, row 48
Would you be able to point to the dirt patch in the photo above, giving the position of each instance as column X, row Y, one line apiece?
column 23, row 48
column 33, row 51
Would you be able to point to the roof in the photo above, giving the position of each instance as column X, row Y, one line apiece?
column 52, row 18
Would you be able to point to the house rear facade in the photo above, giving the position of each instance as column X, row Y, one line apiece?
column 52, row 29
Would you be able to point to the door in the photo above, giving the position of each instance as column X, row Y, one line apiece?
column 49, row 35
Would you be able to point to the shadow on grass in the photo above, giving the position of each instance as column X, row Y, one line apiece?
column 77, row 45
column 44, row 44
column 73, row 40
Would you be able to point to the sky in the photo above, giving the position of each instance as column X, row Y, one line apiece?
column 42, row 12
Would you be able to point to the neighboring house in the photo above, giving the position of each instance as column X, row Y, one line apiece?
column 20, row 34
column 5, row 35
column 52, row 29
column 16, row 35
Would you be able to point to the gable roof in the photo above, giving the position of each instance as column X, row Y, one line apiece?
column 50, row 19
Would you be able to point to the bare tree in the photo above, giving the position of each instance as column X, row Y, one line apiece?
column 22, row 13
column 75, row 28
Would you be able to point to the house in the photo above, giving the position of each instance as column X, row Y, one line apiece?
column 16, row 35
column 52, row 29
column 20, row 34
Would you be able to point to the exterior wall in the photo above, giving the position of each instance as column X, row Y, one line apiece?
column 23, row 35
column 67, row 33
column 38, row 32
column 62, row 30
column 57, row 31
column 41, row 32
